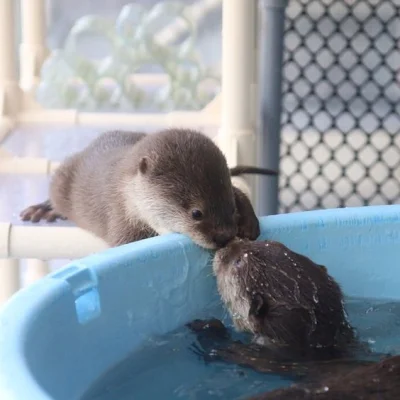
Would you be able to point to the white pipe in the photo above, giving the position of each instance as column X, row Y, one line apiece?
column 8, row 67
column 33, row 23
column 185, row 118
column 35, row 270
column 238, row 58
column 9, row 278
column 74, row 117
column 4, row 154
column 47, row 242
column 7, row 124
column 33, row 50
column 27, row 165
column 9, row 93
column 237, row 134
column 48, row 117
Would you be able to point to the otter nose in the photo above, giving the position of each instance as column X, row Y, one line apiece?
column 222, row 239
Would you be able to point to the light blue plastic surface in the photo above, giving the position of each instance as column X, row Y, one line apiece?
column 59, row 335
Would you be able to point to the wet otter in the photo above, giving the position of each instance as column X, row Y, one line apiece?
column 379, row 380
column 290, row 305
column 128, row 186
column 283, row 298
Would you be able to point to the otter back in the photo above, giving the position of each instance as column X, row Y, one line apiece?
column 128, row 186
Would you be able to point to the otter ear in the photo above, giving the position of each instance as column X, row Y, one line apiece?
column 258, row 307
column 144, row 165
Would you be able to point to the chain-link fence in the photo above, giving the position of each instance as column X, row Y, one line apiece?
column 341, row 104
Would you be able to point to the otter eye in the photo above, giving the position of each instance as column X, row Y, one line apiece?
column 197, row 215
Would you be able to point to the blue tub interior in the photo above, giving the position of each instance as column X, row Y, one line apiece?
column 60, row 335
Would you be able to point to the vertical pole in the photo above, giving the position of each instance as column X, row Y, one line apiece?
column 271, row 48
column 33, row 50
column 35, row 269
column 8, row 66
column 9, row 278
column 237, row 134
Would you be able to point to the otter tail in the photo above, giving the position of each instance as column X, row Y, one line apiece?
column 244, row 169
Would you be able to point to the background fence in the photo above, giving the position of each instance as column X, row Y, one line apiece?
column 341, row 104
column 340, row 122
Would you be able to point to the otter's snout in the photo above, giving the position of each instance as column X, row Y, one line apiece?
column 222, row 239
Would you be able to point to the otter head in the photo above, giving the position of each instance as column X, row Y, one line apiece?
column 183, row 185
column 282, row 297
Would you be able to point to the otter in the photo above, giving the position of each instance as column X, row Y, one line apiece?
column 291, row 307
column 378, row 380
column 283, row 298
column 128, row 186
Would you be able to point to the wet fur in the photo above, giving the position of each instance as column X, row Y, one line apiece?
column 283, row 298
column 215, row 344
column 377, row 381
column 294, row 312
column 128, row 186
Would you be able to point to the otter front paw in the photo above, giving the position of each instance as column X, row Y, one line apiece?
column 209, row 327
column 206, row 356
column 42, row 211
column 248, row 224
column 248, row 228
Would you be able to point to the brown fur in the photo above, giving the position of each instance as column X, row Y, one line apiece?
column 294, row 311
column 283, row 298
column 379, row 381
column 129, row 186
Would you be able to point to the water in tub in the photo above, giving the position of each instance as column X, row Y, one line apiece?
column 165, row 368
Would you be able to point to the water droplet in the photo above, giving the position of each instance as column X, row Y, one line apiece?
column 324, row 389
column 285, row 254
column 245, row 255
column 235, row 315
column 299, row 276
column 248, row 289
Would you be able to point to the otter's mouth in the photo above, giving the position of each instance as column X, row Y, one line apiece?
column 204, row 243
column 226, row 254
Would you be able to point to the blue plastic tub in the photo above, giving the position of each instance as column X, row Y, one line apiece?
column 59, row 335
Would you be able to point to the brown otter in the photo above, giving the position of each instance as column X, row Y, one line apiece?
column 290, row 305
column 128, row 186
column 283, row 298
column 379, row 380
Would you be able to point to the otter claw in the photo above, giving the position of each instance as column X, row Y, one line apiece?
column 202, row 354
column 211, row 325
column 38, row 212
